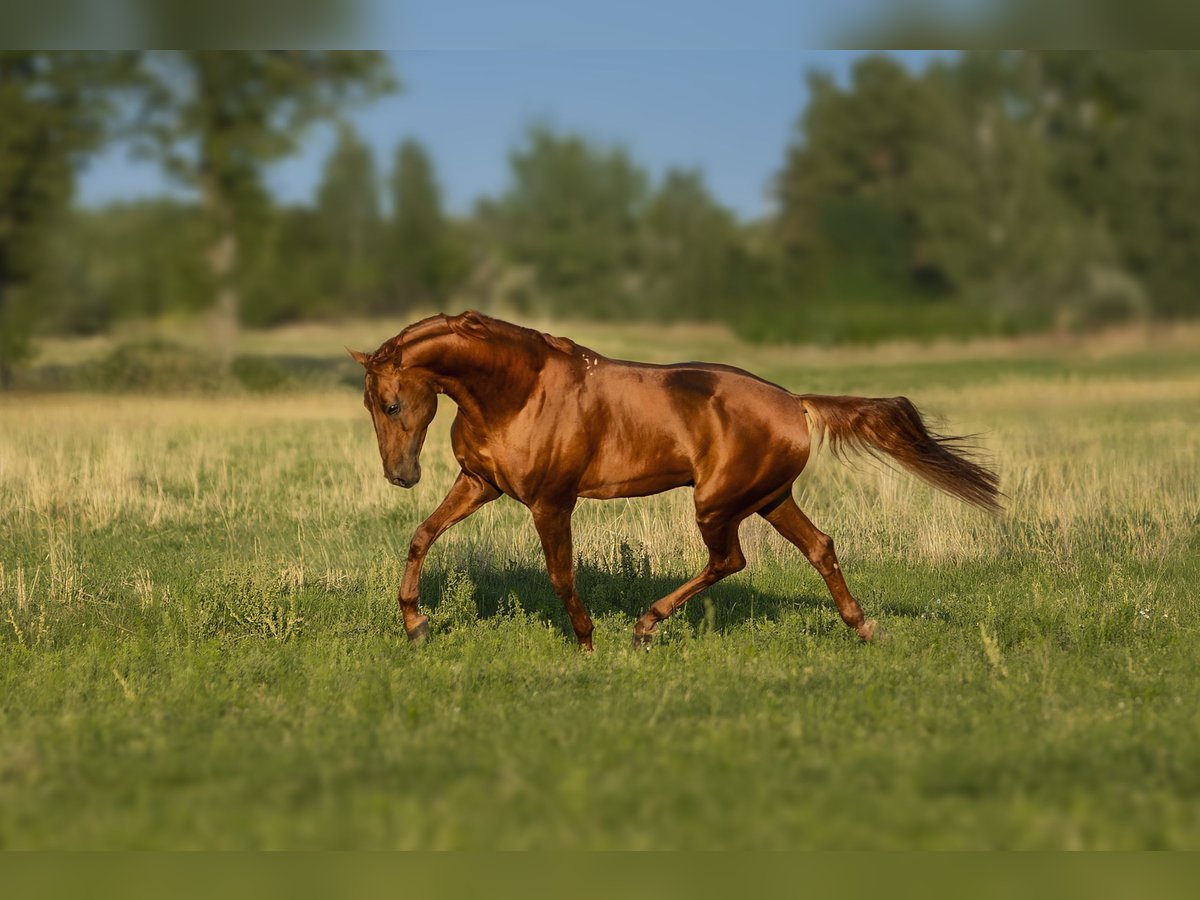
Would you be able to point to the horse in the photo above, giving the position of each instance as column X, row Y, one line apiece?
column 546, row 421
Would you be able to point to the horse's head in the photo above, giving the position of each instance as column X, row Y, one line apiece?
column 402, row 404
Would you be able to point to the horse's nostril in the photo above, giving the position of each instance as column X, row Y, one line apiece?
column 401, row 482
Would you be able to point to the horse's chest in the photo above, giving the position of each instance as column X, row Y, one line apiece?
column 521, row 463
column 497, row 457
column 473, row 451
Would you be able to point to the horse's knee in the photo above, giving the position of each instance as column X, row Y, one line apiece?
column 563, row 585
column 825, row 546
column 421, row 541
column 821, row 554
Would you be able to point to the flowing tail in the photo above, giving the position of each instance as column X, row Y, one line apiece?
column 892, row 425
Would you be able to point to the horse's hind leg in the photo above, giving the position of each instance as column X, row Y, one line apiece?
column 724, row 558
column 818, row 547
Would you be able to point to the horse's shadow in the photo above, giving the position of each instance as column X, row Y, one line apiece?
column 623, row 590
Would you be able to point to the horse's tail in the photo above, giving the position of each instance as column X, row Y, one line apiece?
column 892, row 425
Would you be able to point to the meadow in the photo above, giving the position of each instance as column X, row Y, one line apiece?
column 199, row 645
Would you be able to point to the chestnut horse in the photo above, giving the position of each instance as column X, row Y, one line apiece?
column 547, row 421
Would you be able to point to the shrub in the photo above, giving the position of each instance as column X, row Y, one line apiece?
column 153, row 366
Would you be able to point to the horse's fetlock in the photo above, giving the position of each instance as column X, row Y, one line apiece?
column 647, row 624
column 419, row 631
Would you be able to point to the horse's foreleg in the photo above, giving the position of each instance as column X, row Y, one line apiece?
column 467, row 494
column 818, row 547
column 554, row 528
column 724, row 558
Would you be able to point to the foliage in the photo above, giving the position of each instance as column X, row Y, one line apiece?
column 996, row 192
column 154, row 365
column 215, row 118
column 1115, row 119
column 161, row 366
column 129, row 261
column 993, row 180
column 55, row 108
column 572, row 213
column 692, row 251
column 844, row 198
column 423, row 258
column 456, row 608
column 347, row 211
column 325, row 260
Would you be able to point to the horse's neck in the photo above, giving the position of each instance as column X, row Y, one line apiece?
column 485, row 378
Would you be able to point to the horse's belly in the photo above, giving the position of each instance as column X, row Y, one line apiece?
column 634, row 485
column 635, row 468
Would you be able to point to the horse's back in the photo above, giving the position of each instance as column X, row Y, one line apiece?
column 698, row 391
column 656, row 427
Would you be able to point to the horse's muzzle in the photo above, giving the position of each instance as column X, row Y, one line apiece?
column 400, row 481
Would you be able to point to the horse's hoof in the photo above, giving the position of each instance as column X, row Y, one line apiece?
column 418, row 634
column 869, row 631
column 642, row 641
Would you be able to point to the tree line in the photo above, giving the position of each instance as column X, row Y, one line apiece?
column 991, row 192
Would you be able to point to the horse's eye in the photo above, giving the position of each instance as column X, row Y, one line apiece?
column 392, row 408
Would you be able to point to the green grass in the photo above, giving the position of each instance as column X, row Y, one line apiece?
column 199, row 646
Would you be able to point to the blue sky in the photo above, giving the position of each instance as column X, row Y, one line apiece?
column 679, row 84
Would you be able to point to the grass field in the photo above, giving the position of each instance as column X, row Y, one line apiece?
column 199, row 645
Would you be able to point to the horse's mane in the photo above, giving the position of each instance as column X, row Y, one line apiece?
column 472, row 325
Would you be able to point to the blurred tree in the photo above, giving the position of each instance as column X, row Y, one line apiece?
column 989, row 180
column 349, row 220
column 846, row 220
column 989, row 217
column 422, row 259
column 217, row 117
column 1115, row 121
column 692, row 250
column 572, row 213
column 289, row 279
column 129, row 260
column 55, row 111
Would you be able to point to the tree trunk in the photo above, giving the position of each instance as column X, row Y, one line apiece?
column 225, row 317
column 8, row 346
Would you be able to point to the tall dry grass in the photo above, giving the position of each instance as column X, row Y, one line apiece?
column 1086, row 464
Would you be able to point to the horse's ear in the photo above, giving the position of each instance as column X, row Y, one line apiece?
column 469, row 324
column 363, row 359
